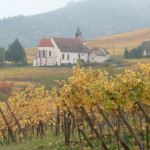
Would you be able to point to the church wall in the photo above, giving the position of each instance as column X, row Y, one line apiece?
column 57, row 53
column 100, row 59
column 47, row 49
column 73, row 57
column 47, row 59
column 44, row 61
column 34, row 62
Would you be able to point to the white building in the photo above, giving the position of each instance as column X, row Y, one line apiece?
column 99, row 55
column 145, row 46
column 57, row 51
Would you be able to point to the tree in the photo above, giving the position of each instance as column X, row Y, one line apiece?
column 15, row 52
column 132, row 53
column 135, row 53
column 139, row 52
column 2, row 57
column 126, row 53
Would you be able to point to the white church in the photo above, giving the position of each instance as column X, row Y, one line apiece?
column 57, row 51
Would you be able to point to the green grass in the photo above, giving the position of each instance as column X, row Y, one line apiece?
column 52, row 142
column 49, row 80
column 49, row 143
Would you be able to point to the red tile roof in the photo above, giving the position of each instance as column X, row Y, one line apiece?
column 45, row 43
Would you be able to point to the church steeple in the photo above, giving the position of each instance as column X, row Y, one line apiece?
column 78, row 33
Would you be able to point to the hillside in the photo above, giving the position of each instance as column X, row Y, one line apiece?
column 120, row 41
column 96, row 18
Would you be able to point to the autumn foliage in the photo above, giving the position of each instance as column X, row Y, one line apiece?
column 6, row 88
column 115, row 109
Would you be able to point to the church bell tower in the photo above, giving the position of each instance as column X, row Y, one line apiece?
column 78, row 33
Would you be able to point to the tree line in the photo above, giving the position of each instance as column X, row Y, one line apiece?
column 15, row 54
column 137, row 52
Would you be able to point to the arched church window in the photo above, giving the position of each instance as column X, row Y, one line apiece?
column 79, row 56
column 39, row 53
column 50, row 53
column 63, row 56
column 68, row 57
column 43, row 53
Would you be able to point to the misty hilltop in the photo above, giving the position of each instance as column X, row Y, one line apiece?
column 96, row 18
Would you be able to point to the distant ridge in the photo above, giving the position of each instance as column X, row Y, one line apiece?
column 96, row 18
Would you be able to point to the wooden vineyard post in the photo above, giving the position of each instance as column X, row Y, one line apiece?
column 9, row 128
column 80, row 131
column 137, row 140
column 79, row 135
column 89, row 121
column 66, row 130
column 140, row 105
column 100, row 134
column 57, row 122
column 111, row 126
column 17, row 122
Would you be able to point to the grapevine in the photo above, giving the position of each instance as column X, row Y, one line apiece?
column 90, row 101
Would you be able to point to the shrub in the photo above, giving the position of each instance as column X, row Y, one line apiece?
column 6, row 88
column 3, row 97
column 146, row 56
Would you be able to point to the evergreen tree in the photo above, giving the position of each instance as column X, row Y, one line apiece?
column 135, row 53
column 139, row 52
column 15, row 52
column 2, row 57
column 126, row 53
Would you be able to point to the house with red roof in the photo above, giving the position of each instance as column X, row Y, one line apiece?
column 57, row 51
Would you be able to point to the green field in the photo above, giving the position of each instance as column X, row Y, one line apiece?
column 51, row 142
column 21, row 77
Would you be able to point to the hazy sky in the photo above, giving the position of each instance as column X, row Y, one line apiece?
column 29, row 7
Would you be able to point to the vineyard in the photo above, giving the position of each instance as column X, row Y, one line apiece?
column 115, row 110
